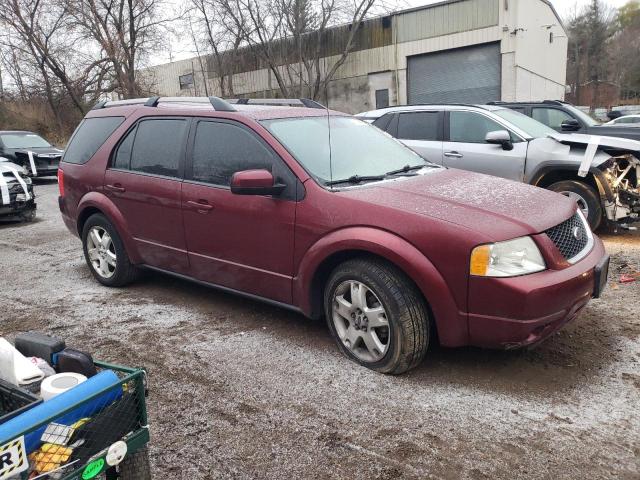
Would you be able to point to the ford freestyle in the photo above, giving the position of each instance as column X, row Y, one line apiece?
column 325, row 214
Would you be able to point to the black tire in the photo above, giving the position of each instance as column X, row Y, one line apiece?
column 125, row 272
column 406, row 313
column 136, row 466
column 589, row 196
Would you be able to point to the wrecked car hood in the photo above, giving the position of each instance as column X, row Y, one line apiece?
column 497, row 207
column 617, row 143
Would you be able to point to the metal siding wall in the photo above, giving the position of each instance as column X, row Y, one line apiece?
column 466, row 75
column 448, row 18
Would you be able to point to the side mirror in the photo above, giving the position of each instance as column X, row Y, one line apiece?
column 570, row 125
column 255, row 182
column 500, row 137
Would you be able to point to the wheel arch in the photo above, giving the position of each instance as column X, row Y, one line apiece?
column 595, row 178
column 95, row 202
column 357, row 242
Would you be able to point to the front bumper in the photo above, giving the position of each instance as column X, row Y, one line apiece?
column 15, row 210
column 520, row 311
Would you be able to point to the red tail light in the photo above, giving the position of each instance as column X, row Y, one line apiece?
column 61, row 182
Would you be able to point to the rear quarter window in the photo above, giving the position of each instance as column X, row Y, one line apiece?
column 89, row 137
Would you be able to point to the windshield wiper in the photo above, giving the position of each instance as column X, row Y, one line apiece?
column 406, row 169
column 357, row 179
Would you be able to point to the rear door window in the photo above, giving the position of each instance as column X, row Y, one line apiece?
column 89, row 137
column 383, row 122
column 419, row 126
column 157, row 147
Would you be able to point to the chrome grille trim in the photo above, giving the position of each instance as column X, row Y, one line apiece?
column 562, row 237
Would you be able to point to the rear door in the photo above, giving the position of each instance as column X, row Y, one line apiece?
column 422, row 132
column 144, row 181
column 242, row 242
column 466, row 148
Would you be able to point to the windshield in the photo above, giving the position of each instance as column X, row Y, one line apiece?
column 23, row 140
column 582, row 116
column 528, row 125
column 357, row 148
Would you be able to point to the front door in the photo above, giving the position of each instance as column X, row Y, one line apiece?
column 242, row 242
column 144, row 181
column 467, row 149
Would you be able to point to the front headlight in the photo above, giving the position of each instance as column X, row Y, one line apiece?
column 519, row 256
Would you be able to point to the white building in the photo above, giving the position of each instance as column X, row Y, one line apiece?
column 462, row 51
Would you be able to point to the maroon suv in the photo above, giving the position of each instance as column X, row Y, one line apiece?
column 324, row 214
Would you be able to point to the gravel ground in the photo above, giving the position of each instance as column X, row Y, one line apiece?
column 244, row 390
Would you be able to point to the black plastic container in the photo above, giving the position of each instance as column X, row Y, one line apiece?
column 14, row 401
column 34, row 344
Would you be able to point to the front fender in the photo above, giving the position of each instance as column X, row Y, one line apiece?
column 99, row 201
column 451, row 322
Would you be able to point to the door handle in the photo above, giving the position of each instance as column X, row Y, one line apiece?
column 201, row 206
column 115, row 188
column 453, row 154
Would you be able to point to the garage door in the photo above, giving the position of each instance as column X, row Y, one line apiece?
column 464, row 75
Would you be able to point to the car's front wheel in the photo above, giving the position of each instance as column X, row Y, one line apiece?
column 585, row 196
column 377, row 316
column 105, row 254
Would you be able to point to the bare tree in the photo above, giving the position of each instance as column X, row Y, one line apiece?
column 289, row 37
column 38, row 35
column 125, row 31
column 223, row 38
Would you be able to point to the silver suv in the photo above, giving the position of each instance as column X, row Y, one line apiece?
column 601, row 173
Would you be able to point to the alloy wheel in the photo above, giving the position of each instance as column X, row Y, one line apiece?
column 101, row 252
column 360, row 321
column 582, row 203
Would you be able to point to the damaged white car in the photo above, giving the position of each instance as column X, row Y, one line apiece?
column 17, row 200
column 601, row 173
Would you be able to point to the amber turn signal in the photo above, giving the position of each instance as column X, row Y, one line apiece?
column 480, row 259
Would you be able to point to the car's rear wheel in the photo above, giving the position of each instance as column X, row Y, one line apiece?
column 377, row 316
column 585, row 196
column 105, row 254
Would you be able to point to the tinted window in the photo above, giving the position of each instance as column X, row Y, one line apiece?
column 123, row 154
column 158, row 147
column 383, row 122
column 470, row 127
column 89, row 137
column 551, row 117
column 418, row 126
column 221, row 149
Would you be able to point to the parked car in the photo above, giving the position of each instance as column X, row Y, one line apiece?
column 625, row 121
column 564, row 117
column 499, row 141
column 321, row 213
column 31, row 151
column 17, row 200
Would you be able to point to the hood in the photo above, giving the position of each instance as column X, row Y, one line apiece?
column 602, row 141
column 501, row 209
column 52, row 151
column 616, row 131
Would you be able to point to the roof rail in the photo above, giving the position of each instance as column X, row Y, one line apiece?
column 533, row 102
column 302, row 102
column 217, row 103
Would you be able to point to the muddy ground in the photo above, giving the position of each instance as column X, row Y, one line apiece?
column 244, row 390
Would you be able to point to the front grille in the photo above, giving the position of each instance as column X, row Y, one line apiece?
column 571, row 236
